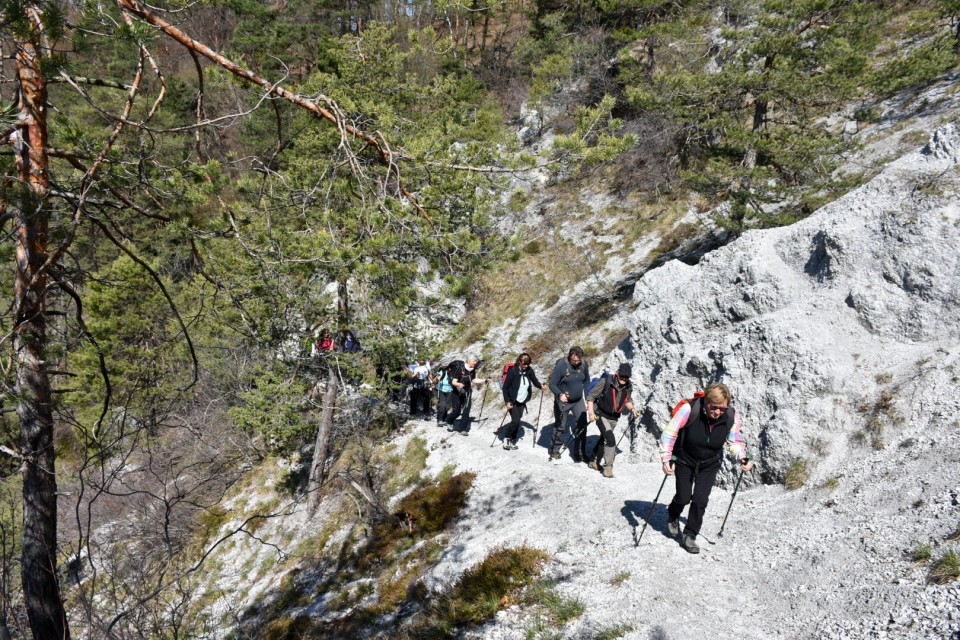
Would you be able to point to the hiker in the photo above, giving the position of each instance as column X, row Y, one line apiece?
column 448, row 398
column 351, row 343
column 325, row 342
column 465, row 379
column 517, row 390
column 696, row 434
column 606, row 402
column 567, row 383
column 420, row 388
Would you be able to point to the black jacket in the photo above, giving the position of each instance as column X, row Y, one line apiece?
column 702, row 441
column 511, row 385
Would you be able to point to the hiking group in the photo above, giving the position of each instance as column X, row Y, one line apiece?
column 690, row 446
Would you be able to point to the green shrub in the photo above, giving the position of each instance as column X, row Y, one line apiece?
column 611, row 633
column 481, row 591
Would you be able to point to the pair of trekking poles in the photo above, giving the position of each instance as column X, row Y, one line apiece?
column 646, row 520
column 536, row 426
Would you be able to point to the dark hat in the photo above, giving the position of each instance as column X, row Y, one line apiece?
column 625, row 371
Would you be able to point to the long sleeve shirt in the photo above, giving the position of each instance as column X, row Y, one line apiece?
column 735, row 443
column 574, row 384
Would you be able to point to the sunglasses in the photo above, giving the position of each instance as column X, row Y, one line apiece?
column 716, row 407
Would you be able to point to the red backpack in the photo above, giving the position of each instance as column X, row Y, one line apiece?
column 506, row 370
column 696, row 395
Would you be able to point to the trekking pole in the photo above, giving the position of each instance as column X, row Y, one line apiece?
column 730, row 506
column 646, row 520
column 496, row 433
column 533, row 441
column 573, row 436
column 483, row 399
column 631, row 426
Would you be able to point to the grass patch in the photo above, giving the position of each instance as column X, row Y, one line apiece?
column 558, row 608
column 620, row 578
column 481, row 591
column 946, row 568
column 797, row 474
column 424, row 512
column 921, row 552
column 612, row 632
column 831, row 483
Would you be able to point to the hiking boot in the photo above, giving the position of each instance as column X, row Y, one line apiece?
column 513, row 444
column 554, row 455
column 690, row 544
column 608, row 471
column 508, row 444
column 673, row 527
column 593, row 465
column 464, row 433
column 450, row 428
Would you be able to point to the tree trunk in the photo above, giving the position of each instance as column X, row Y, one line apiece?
column 323, row 440
column 322, row 445
column 41, row 589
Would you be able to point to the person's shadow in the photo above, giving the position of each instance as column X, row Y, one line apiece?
column 635, row 512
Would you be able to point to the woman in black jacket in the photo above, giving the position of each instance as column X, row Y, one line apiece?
column 517, row 390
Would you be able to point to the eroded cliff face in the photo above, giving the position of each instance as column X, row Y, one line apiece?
column 829, row 332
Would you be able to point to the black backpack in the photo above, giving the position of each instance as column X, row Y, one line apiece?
column 607, row 402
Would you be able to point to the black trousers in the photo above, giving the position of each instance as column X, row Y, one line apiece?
column 693, row 488
column 466, row 402
column 448, row 407
column 514, row 425
column 418, row 398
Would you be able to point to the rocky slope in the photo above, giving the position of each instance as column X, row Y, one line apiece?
column 838, row 336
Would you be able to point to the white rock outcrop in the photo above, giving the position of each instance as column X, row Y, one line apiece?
column 820, row 327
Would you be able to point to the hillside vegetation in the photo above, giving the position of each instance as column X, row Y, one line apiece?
column 193, row 192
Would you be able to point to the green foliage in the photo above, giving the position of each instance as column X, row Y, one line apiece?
column 916, row 67
column 752, row 133
column 557, row 608
column 274, row 411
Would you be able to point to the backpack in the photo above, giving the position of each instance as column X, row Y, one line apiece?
column 325, row 344
column 458, row 372
column 607, row 402
column 506, row 370
column 443, row 384
column 593, row 382
column 696, row 396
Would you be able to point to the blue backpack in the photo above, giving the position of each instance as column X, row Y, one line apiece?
column 593, row 381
